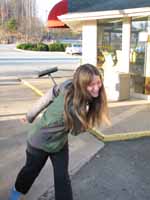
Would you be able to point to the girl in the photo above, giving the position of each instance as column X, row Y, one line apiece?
column 73, row 107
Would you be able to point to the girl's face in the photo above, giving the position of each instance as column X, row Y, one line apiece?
column 94, row 86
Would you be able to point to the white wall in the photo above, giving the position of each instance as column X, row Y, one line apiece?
column 126, row 34
column 89, row 42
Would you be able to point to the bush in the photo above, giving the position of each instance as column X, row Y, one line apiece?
column 57, row 47
column 42, row 47
column 26, row 46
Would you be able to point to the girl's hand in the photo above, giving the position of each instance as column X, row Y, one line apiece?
column 23, row 120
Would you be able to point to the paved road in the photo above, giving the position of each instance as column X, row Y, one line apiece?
column 7, row 47
column 27, row 63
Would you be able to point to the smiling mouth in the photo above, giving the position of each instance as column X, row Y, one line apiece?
column 95, row 94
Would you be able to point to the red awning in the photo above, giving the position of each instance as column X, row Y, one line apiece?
column 59, row 8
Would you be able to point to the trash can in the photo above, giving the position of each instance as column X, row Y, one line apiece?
column 117, row 86
column 124, row 86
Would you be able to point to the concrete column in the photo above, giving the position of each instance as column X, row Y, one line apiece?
column 147, row 61
column 147, row 51
column 89, row 42
column 126, row 34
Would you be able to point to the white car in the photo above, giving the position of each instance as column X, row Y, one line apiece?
column 74, row 49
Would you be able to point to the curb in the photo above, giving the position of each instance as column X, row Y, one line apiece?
column 128, row 103
column 119, row 136
column 49, row 52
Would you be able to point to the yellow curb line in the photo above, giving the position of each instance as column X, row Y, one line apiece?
column 37, row 91
column 128, row 103
column 119, row 136
column 97, row 133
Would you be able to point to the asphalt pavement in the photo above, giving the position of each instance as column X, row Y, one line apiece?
column 108, row 171
column 119, row 171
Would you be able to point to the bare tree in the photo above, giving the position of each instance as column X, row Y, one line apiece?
column 25, row 14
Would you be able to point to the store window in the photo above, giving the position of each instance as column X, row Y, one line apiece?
column 138, row 49
column 109, row 43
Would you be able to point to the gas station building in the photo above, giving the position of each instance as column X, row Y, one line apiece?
column 116, row 39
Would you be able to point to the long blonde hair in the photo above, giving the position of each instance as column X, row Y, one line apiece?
column 88, row 110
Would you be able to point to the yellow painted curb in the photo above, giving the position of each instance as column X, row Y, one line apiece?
column 119, row 136
column 37, row 91
column 97, row 134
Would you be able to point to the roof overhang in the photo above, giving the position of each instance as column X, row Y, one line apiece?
column 76, row 20
column 57, row 7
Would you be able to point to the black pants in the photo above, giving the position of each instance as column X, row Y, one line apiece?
column 34, row 164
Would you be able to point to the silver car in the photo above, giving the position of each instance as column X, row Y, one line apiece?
column 74, row 49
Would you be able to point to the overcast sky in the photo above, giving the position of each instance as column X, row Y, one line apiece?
column 43, row 9
column 44, row 6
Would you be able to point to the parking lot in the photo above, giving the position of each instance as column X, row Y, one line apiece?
column 128, row 116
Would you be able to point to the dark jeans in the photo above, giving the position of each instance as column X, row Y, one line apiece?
column 34, row 164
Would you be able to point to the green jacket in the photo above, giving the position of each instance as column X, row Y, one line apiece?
column 48, row 132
